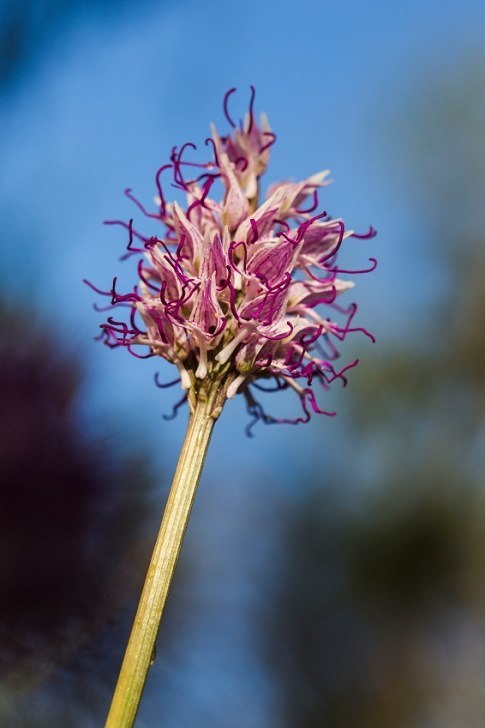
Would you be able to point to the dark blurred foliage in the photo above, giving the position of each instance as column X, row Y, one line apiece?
column 74, row 536
column 376, row 615
column 27, row 28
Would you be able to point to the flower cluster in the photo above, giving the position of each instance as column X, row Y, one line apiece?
column 238, row 291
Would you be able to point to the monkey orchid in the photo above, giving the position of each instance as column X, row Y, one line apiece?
column 234, row 291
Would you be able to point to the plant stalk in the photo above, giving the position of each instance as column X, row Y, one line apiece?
column 141, row 645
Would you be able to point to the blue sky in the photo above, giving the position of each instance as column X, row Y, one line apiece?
column 108, row 101
column 103, row 108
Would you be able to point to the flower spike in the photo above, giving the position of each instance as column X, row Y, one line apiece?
column 239, row 290
column 240, row 294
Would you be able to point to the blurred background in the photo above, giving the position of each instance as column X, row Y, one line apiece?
column 333, row 573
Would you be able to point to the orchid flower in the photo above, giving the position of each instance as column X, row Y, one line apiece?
column 240, row 293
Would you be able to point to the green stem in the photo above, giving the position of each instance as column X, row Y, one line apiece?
column 138, row 655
